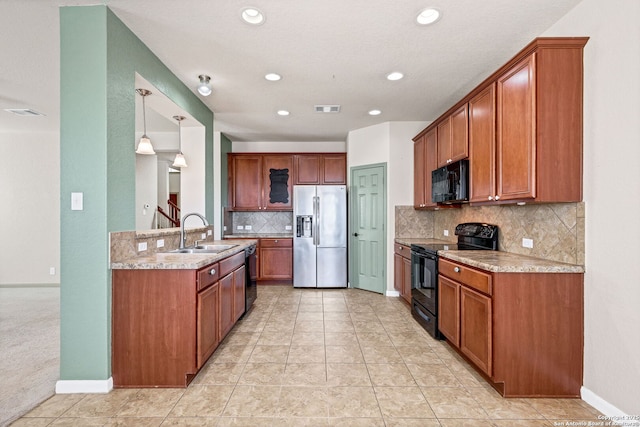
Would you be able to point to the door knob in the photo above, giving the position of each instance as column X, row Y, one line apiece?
column 356, row 234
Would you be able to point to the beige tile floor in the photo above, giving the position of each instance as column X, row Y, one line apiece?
column 306, row 357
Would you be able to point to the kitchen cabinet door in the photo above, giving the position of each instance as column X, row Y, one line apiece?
column 419, row 173
column 482, row 146
column 334, row 169
column 424, row 162
column 449, row 309
column 516, row 131
column 406, row 279
column 277, row 179
column 207, row 323
column 246, row 180
column 307, row 169
column 475, row 328
column 397, row 273
column 276, row 259
column 226, row 305
column 444, row 142
column 459, row 143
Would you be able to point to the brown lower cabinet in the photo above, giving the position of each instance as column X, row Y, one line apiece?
column 522, row 331
column 275, row 259
column 167, row 323
column 402, row 271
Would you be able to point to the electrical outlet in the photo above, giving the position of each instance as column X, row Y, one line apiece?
column 527, row 243
column 287, row 227
column 160, row 243
column 142, row 246
column 52, row 271
column 224, row 228
column 240, row 227
column 203, row 236
column 247, row 227
column 446, row 232
column 209, row 232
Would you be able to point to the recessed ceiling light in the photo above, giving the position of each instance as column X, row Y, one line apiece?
column 375, row 112
column 273, row 77
column 283, row 113
column 428, row 16
column 252, row 16
column 396, row 75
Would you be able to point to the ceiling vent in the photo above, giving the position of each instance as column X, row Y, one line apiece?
column 327, row 108
column 23, row 111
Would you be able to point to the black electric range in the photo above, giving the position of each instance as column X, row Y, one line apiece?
column 424, row 269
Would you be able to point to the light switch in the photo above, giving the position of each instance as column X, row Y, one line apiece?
column 76, row 201
column 527, row 243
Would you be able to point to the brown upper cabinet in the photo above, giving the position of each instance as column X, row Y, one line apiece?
column 320, row 169
column 260, row 181
column 524, row 127
column 482, row 145
column 424, row 161
column 453, row 143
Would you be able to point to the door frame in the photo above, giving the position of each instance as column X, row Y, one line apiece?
column 352, row 252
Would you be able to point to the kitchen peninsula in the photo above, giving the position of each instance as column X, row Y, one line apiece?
column 171, row 310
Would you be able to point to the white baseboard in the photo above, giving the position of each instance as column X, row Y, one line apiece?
column 611, row 413
column 84, row 386
column 392, row 293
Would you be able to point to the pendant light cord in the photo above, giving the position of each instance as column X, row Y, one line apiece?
column 144, row 115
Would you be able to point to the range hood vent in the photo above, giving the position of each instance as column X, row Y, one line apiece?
column 327, row 108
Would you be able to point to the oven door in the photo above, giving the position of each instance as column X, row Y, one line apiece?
column 424, row 280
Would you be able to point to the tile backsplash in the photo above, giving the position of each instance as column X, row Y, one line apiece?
column 124, row 244
column 557, row 229
column 259, row 222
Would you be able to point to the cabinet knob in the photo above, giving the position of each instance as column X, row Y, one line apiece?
column 212, row 271
column 490, row 197
column 275, row 241
column 457, row 269
column 497, row 197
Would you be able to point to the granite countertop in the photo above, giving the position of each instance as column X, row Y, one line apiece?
column 506, row 262
column 177, row 261
column 498, row 261
column 259, row 236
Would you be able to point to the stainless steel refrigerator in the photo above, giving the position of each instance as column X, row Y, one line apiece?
column 320, row 238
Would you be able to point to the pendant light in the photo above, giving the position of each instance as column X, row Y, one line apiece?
column 144, row 146
column 179, row 161
column 204, row 87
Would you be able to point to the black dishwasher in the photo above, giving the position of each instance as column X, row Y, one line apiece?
column 251, row 274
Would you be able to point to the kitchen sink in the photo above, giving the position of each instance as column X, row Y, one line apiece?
column 202, row 249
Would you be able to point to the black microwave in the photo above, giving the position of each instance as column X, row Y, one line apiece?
column 450, row 183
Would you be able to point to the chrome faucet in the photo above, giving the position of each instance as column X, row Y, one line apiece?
column 183, row 236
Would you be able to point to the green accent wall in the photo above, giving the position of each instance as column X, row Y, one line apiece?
column 99, row 57
column 225, row 149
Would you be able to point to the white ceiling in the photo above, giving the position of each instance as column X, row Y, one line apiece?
column 328, row 52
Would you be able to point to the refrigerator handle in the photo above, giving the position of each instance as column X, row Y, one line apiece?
column 314, row 228
column 318, row 221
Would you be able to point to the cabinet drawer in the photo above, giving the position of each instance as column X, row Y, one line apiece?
column 276, row 243
column 227, row 265
column 402, row 250
column 207, row 276
column 468, row 276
